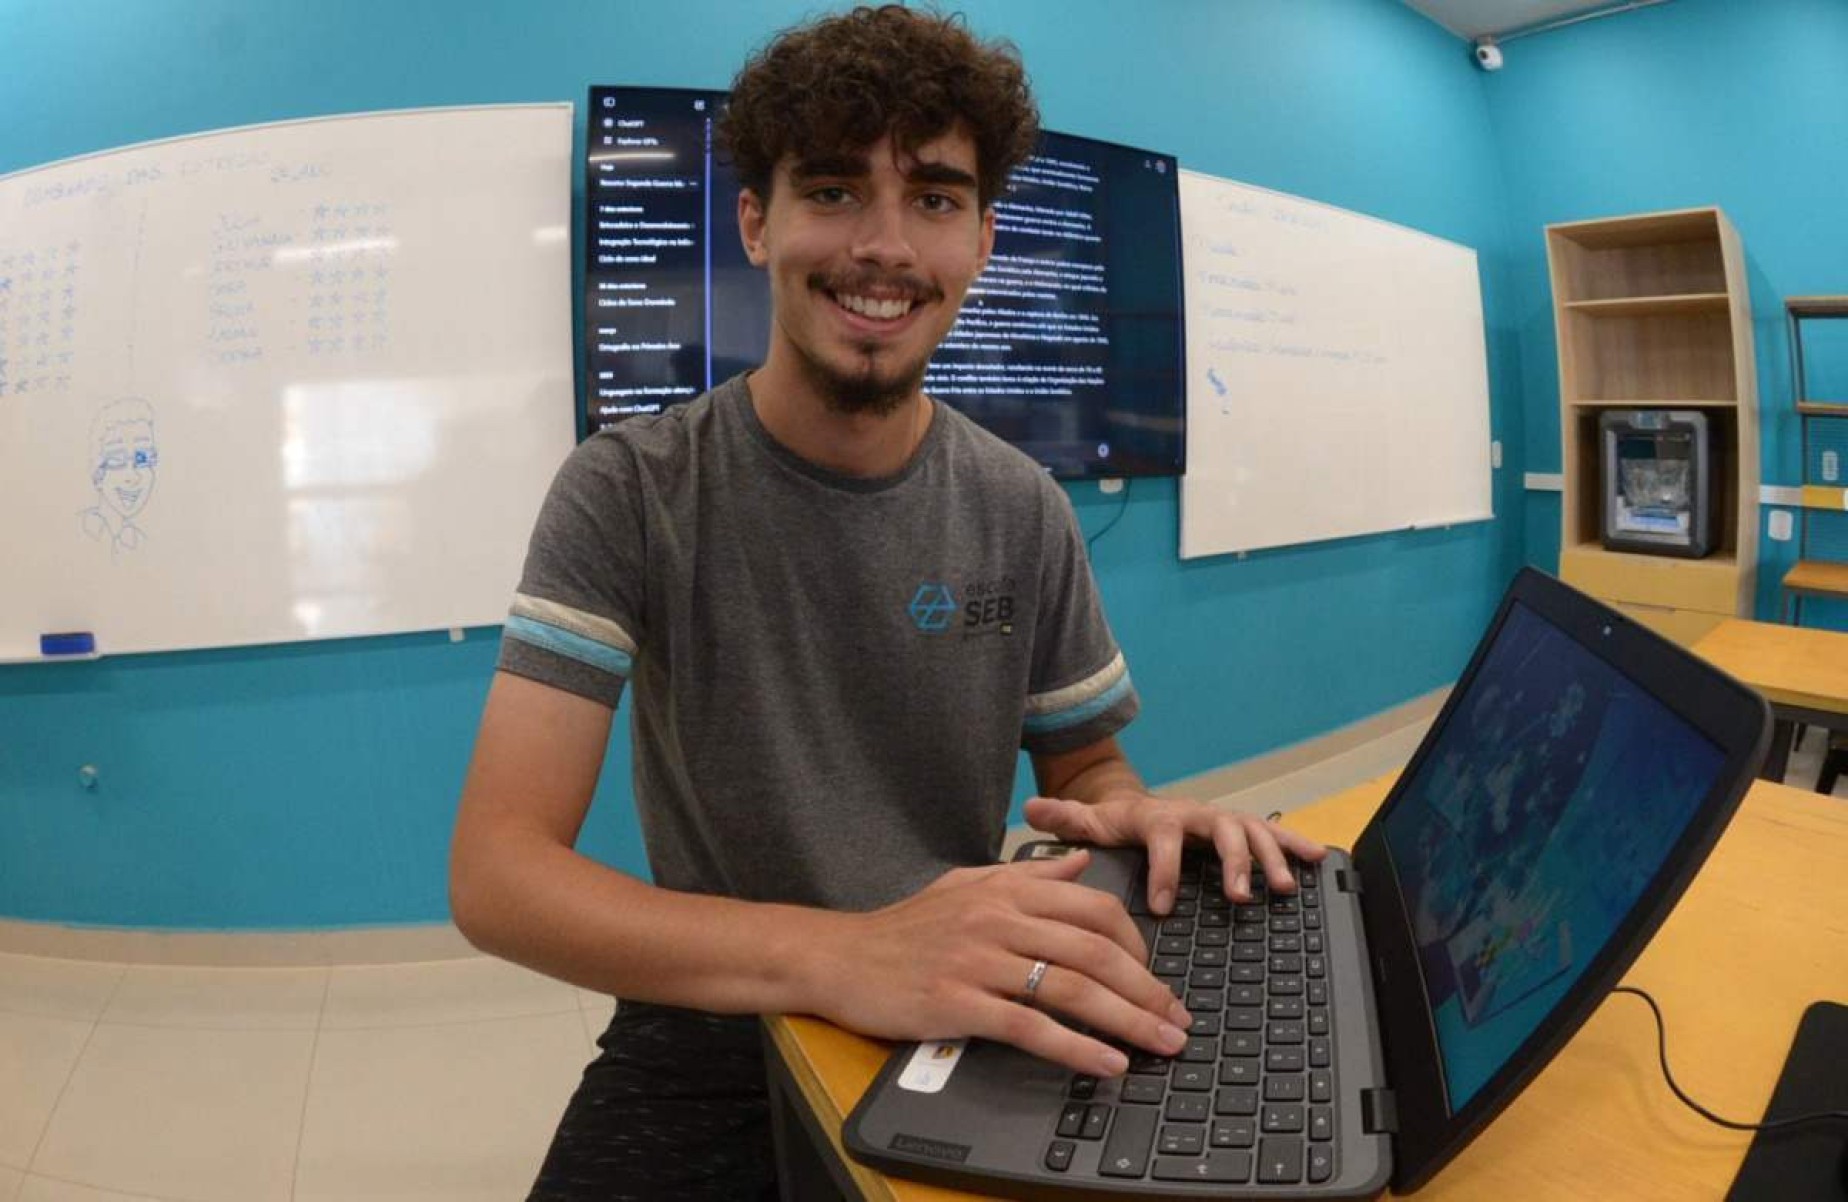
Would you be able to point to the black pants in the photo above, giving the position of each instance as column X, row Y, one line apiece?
column 675, row 1108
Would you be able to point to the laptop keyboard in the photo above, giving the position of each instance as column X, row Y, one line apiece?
column 1251, row 1098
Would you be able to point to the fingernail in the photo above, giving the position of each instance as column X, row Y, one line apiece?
column 1172, row 1037
column 1164, row 901
column 1244, row 883
column 1181, row 1016
column 1114, row 1063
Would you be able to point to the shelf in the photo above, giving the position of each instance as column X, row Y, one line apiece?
column 1652, row 306
column 1665, row 256
column 1816, row 577
column 1817, row 306
column 1649, row 230
column 1655, row 404
column 1718, row 561
column 1637, row 353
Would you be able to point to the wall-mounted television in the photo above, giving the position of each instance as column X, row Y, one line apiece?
column 1070, row 345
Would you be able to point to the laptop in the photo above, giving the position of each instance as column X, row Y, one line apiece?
column 1359, row 1031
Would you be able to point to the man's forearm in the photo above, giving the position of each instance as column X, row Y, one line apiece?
column 1107, row 778
column 532, row 901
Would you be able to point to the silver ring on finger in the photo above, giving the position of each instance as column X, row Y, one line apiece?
column 1034, row 977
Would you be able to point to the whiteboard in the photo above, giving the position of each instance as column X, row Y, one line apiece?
column 1337, row 374
column 283, row 382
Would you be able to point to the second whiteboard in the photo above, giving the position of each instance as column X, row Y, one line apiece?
column 1337, row 374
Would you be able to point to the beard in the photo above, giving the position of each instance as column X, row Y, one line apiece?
column 864, row 388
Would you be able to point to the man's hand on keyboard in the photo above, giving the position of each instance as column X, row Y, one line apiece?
column 1162, row 825
column 955, row 958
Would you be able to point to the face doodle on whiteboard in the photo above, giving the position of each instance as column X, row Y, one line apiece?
column 122, row 462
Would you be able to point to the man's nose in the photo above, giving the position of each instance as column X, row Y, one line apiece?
column 881, row 235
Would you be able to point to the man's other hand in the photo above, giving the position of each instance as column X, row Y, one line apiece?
column 1163, row 825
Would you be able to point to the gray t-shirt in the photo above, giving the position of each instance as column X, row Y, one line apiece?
column 832, row 675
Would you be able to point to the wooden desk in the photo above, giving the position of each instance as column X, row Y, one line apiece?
column 1802, row 672
column 1771, row 906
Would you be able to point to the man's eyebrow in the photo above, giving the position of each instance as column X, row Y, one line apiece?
column 940, row 173
column 821, row 165
column 846, row 166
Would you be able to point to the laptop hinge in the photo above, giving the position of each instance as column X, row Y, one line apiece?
column 1347, row 881
column 1379, row 1112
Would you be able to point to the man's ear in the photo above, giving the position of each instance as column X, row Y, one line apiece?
column 988, row 238
column 751, row 219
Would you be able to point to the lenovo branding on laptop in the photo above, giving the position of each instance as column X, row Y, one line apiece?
column 1360, row 1031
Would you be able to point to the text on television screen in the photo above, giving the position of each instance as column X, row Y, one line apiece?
column 1069, row 345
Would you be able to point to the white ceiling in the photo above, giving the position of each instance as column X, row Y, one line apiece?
column 1476, row 18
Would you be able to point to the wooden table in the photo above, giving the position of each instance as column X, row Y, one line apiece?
column 1770, row 905
column 1801, row 671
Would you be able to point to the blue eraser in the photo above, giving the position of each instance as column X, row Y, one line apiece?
column 70, row 642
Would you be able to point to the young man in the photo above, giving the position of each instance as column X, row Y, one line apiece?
column 824, row 747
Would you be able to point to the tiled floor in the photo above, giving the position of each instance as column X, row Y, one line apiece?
column 438, row 1081
column 131, row 1083
column 441, row 1080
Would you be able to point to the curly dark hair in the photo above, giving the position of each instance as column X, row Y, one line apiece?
column 844, row 82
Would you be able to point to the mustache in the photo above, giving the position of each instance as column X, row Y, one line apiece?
column 879, row 283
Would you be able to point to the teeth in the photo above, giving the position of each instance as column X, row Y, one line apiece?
column 884, row 310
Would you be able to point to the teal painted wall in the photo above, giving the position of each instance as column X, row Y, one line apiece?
column 314, row 785
column 1698, row 102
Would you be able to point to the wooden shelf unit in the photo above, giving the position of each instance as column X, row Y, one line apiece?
column 1811, row 576
column 1652, row 312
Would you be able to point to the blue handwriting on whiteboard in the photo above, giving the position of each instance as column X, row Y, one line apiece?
column 1245, row 283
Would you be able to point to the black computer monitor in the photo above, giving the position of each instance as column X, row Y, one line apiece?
column 1070, row 345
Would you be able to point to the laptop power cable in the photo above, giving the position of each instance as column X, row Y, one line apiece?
column 1696, row 1107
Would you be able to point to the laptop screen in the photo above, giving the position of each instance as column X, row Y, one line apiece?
column 1547, row 805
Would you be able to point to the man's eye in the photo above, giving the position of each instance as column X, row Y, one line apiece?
column 830, row 196
column 938, row 202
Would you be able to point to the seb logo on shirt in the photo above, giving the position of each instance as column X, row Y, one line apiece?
column 975, row 607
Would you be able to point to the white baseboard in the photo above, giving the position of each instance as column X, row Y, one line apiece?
column 237, row 949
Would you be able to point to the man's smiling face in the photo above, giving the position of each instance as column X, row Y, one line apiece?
column 125, row 471
column 869, row 255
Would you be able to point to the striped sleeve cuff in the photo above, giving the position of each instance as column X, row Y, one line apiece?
column 1073, row 706
column 592, row 641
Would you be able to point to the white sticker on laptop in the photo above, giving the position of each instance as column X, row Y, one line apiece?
column 931, row 1065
